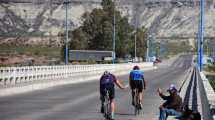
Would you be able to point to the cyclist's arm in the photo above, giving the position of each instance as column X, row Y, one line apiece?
column 144, row 83
column 119, row 84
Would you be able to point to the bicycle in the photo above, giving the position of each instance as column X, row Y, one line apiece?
column 137, row 101
column 107, row 106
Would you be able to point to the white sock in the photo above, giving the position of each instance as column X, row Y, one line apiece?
column 112, row 115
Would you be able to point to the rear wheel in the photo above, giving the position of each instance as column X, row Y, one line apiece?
column 107, row 107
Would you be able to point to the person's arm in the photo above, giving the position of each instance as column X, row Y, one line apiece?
column 100, row 79
column 144, row 84
column 161, row 94
column 119, row 84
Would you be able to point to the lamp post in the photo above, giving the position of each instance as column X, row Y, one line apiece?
column 147, row 50
column 201, row 34
column 135, row 35
column 66, row 41
column 114, row 34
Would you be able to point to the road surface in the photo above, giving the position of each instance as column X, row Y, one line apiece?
column 81, row 101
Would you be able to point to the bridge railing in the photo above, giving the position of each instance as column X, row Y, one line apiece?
column 198, row 94
column 207, row 97
column 16, row 75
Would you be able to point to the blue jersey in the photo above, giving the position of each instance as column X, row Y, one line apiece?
column 136, row 75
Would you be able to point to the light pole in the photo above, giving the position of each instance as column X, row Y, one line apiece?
column 147, row 50
column 66, row 41
column 114, row 33
column 135, row 36
column 201, row 34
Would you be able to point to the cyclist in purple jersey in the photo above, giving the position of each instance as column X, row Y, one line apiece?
column 108, row 81
column 137, row 81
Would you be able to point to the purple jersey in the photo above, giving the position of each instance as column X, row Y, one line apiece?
column 107, row 79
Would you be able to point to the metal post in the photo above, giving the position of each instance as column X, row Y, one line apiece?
column 148, row 48
column 213, row 51
column 147, row 51
column 201, row 32
column 114, row 34
column 66, row 42
column 198, row 45
column 135, row 37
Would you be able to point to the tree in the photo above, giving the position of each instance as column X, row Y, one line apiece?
column 141, row 42
column 79, row 39
column 96, row 32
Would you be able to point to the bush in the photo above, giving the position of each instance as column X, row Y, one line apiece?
column 210, row 68
column 212, row 82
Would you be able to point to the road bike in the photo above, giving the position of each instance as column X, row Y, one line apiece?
column 107, row 105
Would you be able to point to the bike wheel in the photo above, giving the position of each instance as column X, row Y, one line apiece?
column 109, row 110
column 107, row 107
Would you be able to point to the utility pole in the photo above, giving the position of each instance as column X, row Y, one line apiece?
column 114, row 33
column 135, row 36
column 201, row 34
column 66, row 41
column 147, row 50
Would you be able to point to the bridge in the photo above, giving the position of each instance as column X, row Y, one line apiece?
column 71, row 92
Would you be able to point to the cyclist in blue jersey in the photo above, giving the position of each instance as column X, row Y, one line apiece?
column 137, row 81
column 107, row 82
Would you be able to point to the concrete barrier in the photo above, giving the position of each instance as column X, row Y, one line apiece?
column 14, row 80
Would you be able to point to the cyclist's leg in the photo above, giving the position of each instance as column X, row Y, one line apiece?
column 112, row 108
column 140, row 91
column 102, row 98
column 132, row 91
column 112, row 96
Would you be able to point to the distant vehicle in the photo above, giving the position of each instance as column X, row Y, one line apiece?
column 158, row 60
column 207, row 60
column 84, row 55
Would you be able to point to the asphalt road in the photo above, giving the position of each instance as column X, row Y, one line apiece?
column 81, row 101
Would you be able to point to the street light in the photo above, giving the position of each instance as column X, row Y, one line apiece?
column 135, row 36
column 66, row 41
column 147, row 50
column 114, row 34
column 201, row 35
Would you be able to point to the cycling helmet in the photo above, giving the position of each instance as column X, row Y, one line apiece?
column 106, row 72
column 136, row 67
column 172, row 88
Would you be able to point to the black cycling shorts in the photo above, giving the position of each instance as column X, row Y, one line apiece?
column 111, row 90
column 137, row 84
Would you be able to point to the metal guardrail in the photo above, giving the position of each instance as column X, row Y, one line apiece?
column 208, row 95
column 198, row 95
column 205, row 105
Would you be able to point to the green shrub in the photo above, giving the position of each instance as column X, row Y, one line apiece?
column 212, row 82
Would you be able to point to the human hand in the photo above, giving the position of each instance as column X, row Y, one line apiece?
column 159, row 91
column 161, row 107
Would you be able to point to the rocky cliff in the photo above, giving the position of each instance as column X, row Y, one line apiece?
column 38, row 18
